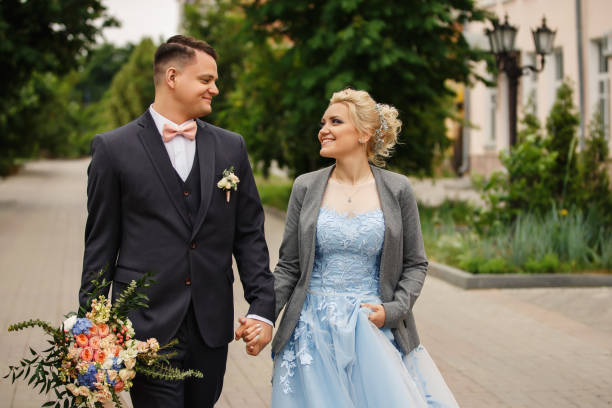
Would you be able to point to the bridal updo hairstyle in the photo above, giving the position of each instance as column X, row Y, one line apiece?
column 365, row 116
column 179, row 49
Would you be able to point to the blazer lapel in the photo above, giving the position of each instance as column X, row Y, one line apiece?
column 154, row 146
column 309, row 216
column 206, row 154
column 393, row 222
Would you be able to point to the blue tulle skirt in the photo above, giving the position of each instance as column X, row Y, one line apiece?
column 337, row 358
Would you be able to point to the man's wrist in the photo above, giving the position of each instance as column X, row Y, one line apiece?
column 261, row 319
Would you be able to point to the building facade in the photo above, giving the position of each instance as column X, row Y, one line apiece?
column 582, row 54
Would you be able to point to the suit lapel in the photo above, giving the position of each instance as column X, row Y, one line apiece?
column 206, row 155
column 309, row 216
column 393, row 222
column 154, row 146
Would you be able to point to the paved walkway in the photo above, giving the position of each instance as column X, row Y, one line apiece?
column 496, row 348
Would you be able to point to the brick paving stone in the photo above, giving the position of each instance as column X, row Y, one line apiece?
column 496, row 348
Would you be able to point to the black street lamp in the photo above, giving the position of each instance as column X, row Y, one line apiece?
column 501, row 40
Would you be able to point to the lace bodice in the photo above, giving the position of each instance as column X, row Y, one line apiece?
column 347, row 253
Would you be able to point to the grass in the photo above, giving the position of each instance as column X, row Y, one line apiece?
column 274, row 191
column 559, row 241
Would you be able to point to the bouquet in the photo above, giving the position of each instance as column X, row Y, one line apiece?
column 93, row 355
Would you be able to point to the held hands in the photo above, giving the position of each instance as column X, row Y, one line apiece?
column 255, row 333
column 377, row 316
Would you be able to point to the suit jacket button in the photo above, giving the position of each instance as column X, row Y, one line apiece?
column 185, row 193
column 193, row 245
column 187, row 282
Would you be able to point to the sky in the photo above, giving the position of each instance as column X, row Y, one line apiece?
column 140, row 18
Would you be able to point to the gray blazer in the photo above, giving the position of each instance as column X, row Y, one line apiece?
column 403, row 263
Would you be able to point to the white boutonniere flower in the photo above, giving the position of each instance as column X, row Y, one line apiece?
column 228, row 182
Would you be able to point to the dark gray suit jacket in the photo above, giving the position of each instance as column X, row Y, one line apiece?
column 403, row 263
column 139, row 222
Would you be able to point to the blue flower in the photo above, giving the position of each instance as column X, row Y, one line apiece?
column 88, row 378
column 82, row 325
column 117, row 365
column 109, row 381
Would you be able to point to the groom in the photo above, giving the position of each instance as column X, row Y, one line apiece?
column 154, row 205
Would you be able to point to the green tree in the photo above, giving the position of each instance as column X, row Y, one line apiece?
column 528, row 182
column 562, row 126
column 98, row 68
column 594, row 178
column 132, row 89
column 403, row 52
column 38, row 37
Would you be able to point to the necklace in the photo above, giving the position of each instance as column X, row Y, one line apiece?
column 353, row 189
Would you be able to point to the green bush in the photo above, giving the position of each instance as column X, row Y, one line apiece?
column 548, row 264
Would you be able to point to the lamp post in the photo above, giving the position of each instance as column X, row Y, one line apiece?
column 501, row 40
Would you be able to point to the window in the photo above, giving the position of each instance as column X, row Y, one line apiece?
column 559, row 66
column 530, row 84
column 602, row 103
column 602, row 60
column 492, row 128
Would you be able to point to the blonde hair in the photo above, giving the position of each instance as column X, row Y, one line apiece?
column 379, row 121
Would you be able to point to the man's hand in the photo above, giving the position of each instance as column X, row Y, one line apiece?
column 255, row 333
column 377, row 316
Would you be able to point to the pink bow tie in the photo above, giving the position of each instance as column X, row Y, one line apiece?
column 188, row 131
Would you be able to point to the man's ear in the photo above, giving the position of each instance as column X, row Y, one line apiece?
column 171, row 74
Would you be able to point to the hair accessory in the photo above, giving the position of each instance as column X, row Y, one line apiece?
column 383, row 126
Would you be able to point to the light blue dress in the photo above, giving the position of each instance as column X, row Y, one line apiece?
column 336, row 357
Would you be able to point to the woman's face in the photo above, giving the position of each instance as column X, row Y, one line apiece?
column 338, row 136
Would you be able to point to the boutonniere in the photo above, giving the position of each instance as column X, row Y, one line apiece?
column 229, row 182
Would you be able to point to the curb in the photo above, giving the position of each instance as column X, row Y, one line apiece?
column 466, row 280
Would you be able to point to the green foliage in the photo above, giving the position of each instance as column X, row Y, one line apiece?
column 379, row 46
column 594, row 178
column 45, row 36
column 39, row 37
column 286, row 58
column 131, row 90
column 556, row 241
column 544, row 171
column 274, row 191
column 562, row 126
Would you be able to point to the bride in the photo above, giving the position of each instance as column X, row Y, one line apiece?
column 351, row 266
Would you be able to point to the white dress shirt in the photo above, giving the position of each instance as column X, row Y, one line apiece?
column 180, row 149
column 182, row 152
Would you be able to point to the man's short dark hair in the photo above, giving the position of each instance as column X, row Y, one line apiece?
column 179, row 48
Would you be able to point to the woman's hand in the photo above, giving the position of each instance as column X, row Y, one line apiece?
column 377, row 316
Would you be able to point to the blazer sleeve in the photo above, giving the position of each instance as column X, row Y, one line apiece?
column 414, row 262
column 287, row 271
column 250, row 249
column 103, row 227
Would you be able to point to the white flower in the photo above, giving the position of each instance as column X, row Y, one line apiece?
column 69, row 322
column 108, row 363
column 305, row 359
column 289, row 355
column 221, row 183
column 130, row 363
column 228, row 185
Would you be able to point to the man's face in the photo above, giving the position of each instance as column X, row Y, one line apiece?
column 195, row 85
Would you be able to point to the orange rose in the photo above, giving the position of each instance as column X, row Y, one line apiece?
column 119, row 385
column 103, row 330
column 116, row 350
column 82, row 340
column 94, row 342
column 99, row 356
column 93, row 330
column 87, row 354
